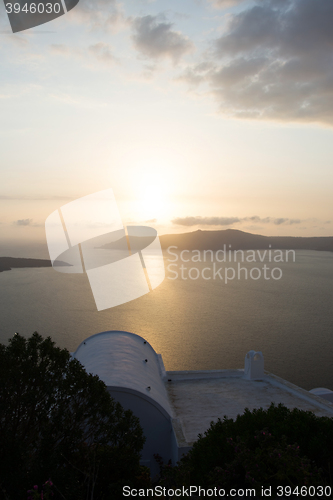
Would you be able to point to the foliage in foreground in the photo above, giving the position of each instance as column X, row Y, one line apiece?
column 273, row 447
column 59, row 422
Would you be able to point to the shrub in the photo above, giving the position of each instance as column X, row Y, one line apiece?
column 272, row 462
column 57, row 421
column 269, row 447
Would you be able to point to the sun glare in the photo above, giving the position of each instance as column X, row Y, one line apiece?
column 149, row 185
column 151, row 188
column 152, row 200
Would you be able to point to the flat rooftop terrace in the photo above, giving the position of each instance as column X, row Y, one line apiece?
column 199, row 397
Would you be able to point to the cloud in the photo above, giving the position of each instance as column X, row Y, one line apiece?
column 229, row 221
column 274, row 61
column 196, row 74
column 102, row 52
column 205, row 221
column 60, row 49
column 222, row 4
column 104, row 15
column 23, row 222
column 157, row 40
column 286, row 221
column 271, row 220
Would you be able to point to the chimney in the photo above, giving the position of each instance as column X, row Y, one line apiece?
column 254, row 365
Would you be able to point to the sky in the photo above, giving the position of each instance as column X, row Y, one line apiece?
column 199, row 114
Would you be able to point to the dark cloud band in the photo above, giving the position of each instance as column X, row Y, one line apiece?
column 273, row 62
column 229, row 221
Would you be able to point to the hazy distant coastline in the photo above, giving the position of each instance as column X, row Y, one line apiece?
column 238, row 240
column 8, row 263
column 197, row 240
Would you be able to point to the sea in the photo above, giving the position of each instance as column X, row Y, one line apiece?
column 203, row 316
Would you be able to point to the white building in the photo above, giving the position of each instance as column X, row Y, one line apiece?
column 135, row 376
column 174, row 407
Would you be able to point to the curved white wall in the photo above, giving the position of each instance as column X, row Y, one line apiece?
column 133, row 374
column 119, row 359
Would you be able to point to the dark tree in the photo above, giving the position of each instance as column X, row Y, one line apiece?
column 59, row 422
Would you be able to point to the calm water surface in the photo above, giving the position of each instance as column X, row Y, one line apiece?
column 195, row 324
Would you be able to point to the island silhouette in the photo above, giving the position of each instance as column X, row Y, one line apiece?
column 238, row 240
column 8, row 263
column 233, row 239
